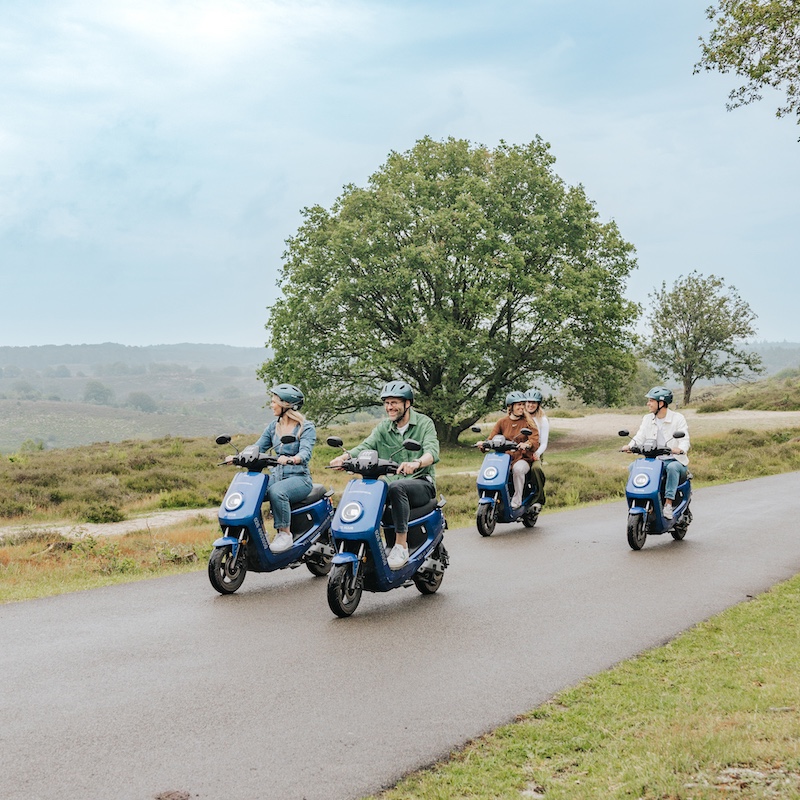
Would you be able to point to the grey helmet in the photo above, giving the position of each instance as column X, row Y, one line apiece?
column 515, row 397
column 289, row 394
column 660, row 394
column 534, row 396
column 397, row 389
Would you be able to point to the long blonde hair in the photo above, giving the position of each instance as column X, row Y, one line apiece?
column 291, row 414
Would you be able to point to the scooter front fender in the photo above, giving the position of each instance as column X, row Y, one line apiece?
column 487, row 500
column 228, row 541
column 633, row 510
column 346, row 558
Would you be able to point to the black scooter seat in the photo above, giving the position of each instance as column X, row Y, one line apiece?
column 317, row 493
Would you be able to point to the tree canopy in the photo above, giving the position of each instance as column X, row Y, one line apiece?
column 760, row 41
column 696, row 326
column 465, row 271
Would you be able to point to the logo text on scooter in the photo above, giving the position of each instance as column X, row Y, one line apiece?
column 233, row 501
column 489, row 473
column 642, row 479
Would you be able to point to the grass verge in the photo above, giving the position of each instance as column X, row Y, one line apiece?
column 713, row 714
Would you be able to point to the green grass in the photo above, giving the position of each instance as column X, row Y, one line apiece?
column 780, row 392
column 713, row 714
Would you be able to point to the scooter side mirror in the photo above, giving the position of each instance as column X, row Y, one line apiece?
column 289, row 438
column 334, row 441
column 526, row 431
column 223, row 439
column 412, row 444
column 624, row 433
column 475, row 429
column 679, row 434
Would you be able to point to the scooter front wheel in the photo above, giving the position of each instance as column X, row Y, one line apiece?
column 226, row 573
column 487, row 518
column 343, row 599
column 636, row 532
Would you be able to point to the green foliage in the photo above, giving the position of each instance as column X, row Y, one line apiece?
column 695, row 328
column 142, row 401
column 465, row 271
column 759, row 40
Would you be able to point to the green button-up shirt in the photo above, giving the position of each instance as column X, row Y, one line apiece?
column 388, row 441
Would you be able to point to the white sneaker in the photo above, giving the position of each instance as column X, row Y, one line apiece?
column 281, row 543
column 398, row 557
column 667, row 512
column 515, row 504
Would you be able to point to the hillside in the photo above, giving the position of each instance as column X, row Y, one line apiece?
column 68, row 395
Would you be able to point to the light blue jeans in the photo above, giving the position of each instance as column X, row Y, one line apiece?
column 676, row 474
column 283, row 493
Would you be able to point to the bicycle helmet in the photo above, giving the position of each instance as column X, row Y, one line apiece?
column 515, row 397
column 660, row 394
column 397, row 389
column 289, row 394
column 534, row 396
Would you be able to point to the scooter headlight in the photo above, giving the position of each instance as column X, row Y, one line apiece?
column 640, row 480
column 490, row 473
column 351, row 512
column 234, row 501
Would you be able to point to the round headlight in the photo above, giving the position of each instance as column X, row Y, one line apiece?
column 351, row 512
column 641, row 480
column 233, row 501
column 489, row 473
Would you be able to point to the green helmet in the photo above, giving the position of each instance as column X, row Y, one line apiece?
column 660, row 394
column 534, row 396
column 515, row 397
column 397, row 389
column 289, row 394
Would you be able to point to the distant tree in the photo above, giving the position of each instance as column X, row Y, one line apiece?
column 463, row 270
column 695, row 328
column 142, row 401
column 96, row 392
column 26, row 391
column 644, row 379
column 760, row 41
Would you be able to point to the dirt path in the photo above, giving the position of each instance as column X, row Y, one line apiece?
column 157, row 519
column 597, row 426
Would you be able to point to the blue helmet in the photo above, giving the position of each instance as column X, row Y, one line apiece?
column 534, row 396
column 515, row 397
column 289, row 394
column 660, row 394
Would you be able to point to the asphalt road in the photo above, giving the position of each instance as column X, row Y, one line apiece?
column 164, row 686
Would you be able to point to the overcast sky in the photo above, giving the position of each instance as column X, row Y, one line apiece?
column 155, row 155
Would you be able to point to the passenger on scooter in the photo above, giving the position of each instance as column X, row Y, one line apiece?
column 661, row 425
column 511, row 427
column 387, row 437
column 291, row 480
column 537, row 419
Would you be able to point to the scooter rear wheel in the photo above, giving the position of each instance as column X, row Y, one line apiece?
column 343, row 600
column 487, row 518
column 679, row 531
column 321, row 566
column 636, row 532
column 529, row 519
column 428, row 583
column 225, row 574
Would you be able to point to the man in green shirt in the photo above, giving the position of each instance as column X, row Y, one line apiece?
column 402, row 422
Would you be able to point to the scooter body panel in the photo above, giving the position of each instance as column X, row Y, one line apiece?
column 493, row 487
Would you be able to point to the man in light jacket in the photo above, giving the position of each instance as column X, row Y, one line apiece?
column 661, row 425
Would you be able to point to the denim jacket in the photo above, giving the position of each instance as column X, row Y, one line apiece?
column 306, row 439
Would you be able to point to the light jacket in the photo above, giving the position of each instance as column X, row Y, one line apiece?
column 672, row 423
column 306, row 439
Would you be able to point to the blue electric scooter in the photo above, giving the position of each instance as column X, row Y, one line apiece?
column 645, row 495
column 496, row 487
column 244, row 545
column 361, row 560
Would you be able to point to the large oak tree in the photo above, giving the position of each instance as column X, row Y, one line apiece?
column 464, row 270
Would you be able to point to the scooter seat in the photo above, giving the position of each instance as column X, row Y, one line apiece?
column 416, row 513
column 317, row 493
